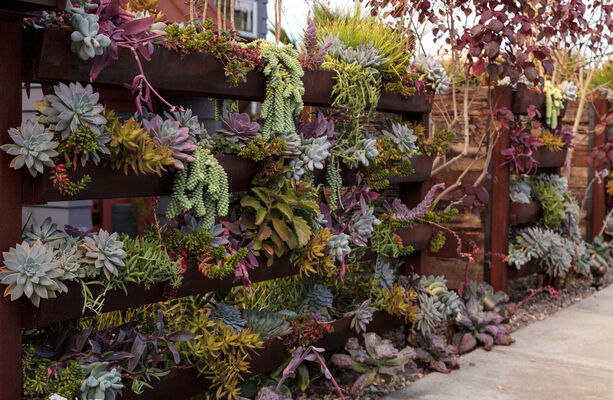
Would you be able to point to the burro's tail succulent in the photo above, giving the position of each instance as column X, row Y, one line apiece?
column 105, row 252
column 33, row 146
column 100, row 384
column 31, row 270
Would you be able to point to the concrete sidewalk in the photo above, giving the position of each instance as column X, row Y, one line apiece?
column 566, row 356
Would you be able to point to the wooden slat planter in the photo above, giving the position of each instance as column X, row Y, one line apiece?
column 531, row 268
column 549, row 159
column 524, row 97
column 48, row 59
column 525, row 213
column 183, row 383
column 109, row 183
column 28, row 5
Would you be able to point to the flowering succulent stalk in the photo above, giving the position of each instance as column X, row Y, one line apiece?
column 401, row 212
column 33, row 147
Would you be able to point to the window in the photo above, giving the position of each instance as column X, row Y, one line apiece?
column 246, row 17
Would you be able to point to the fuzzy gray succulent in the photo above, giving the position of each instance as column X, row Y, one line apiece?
column 318, row 300
column 187, row 119
column 520, row 192
column 365, row 54
column 266, row 323
column 550, row 249
column 70, row 107
column 434, row 73
column 403, row 136
column 99, row 382
column 364, row 151
column 229, row 314
column 239, row 128
column 46, row 233
column 105, row 252
column 70, row 258
column 315, row 151
column 87, row 41
column 298, row 169
column 569, row 90
column 361, row 226
column 31, row 270
column 361, row 316
column 32, row 146
column 385, row 274
column 168, row 132
column 339, row 245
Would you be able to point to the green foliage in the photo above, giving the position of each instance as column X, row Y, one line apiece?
column 284, row 88
column 203, row 187
column 603, row 77
column 386, row 243
column 315, row 257
column 280, row 216
column 389, row 163
column 437, row 242
column 437, row 144
column 399, row 301
column 551, row 203
column 266, row 323
column 37, row 384
column 551, row 142
column 335, row 182
column 260, row 149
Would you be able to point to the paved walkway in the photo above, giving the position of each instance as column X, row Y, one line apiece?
column 566, row 356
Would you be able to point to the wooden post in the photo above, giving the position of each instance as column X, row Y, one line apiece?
column 600, row 108
column 497, row 232
column 10, row 199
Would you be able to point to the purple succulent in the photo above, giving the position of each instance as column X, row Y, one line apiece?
column 240, row 129
column 170, row 133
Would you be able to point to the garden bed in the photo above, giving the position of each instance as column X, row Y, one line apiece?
column 183, row 383
column 48, row 59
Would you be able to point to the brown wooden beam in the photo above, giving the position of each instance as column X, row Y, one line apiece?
column 597, row 215
column 10, row 200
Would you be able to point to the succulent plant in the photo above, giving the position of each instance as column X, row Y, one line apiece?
column 33, row 147
column 46, row 233
column 312, row 54
column 520, row 192
column 365, row 54
column 318, row 300
column 70, row 107
column 105, row 252
column 292, row 144
column 361, row 316
column 385, row 274
column 70, row 258
column 569, row 90
column 87, row 41
column 434, row 351
column 240, row 129
column 361, row 226
column 298, row 169
column 429, row 314
column 31, row 270
column 434, row 73
column 170, row 133
column 187, row 119
column 100, row 384
column 229, row 314
column 267, row 324
column 552, row 251
column 447, row 300
column 339, row 245
column 376, row 359
column 403, row 136
column 88, row 144
column 365, row 151
column 314, row 152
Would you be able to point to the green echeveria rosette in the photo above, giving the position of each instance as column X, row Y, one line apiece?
column 46, row 233
column 70, row 107
column 105, row 252
column 31, row 270
column 33, row 147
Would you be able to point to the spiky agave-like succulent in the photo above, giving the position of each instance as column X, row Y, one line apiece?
column 170, row 133
column 434, row 73
column 229, row 314
column 100, row 383
column 70, row 107
column 403, row 136
column 339, row 245
column 553, row 251
column 31, row 270
column 239, row 128
column 46, row 233
column 314, row 152
column 267, row 324
column 318, row 300
column 361, row 316
column 429, row 314
column 105, row 252
column 33, row 147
